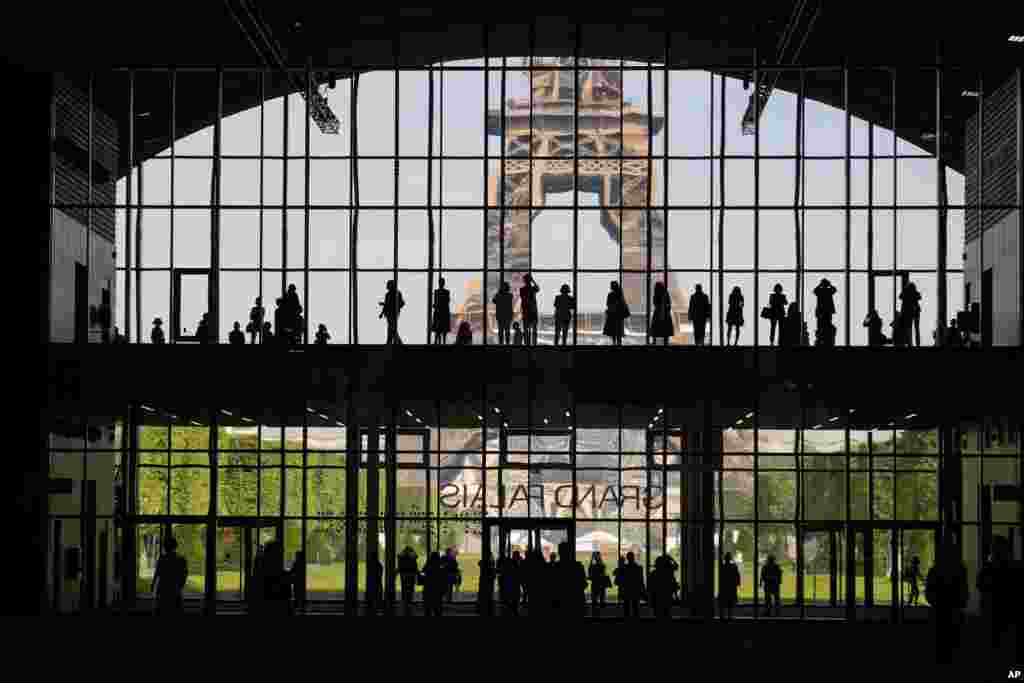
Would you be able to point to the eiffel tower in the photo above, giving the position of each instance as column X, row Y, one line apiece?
column 611, row 142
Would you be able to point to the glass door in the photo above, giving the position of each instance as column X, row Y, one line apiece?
column 821, row 569
column 239, row 544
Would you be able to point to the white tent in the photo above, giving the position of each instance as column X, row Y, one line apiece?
column 594, row 540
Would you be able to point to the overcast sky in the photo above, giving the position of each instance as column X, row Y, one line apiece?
column 689, row 132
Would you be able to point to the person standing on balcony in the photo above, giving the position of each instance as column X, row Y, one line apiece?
column 503, row 312
column 661, row 315
column 565, row 306
column 775, row 312
column 441, row 324
column 734, row 317
column 699, row 312
column 910, row 311
column 616, row 312
column 256, row 315
column 528, row 308
column 391, row 307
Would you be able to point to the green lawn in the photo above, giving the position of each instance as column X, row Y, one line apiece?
column 330, row 578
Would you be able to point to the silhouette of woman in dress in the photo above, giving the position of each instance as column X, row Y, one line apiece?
column 528, row 308
column 734, row 316
column 442, row 321
column 661, row 316
column 615, row 314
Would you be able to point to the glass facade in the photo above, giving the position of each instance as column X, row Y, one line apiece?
column 579, row 173
column 641, row 175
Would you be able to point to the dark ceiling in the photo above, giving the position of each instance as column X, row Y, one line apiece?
column 721, row 37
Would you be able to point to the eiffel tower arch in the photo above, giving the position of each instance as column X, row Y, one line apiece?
column 611, row 143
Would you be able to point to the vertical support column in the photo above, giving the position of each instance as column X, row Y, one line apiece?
column 128, row 213
column 210, row 587
column 950, row 484
column 213, row 291
column 940, row 177
column 712, row 448
column 391, row 509
column 847, row 318
column 1020, row 208
column 871, row 216
column 88, row 530
column 699, row 563
column 129, row 557
column 372, row 513
column 353, row 455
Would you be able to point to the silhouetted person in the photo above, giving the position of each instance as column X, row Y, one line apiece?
column 254, row 591
column 118, row 337
column 899, row 333
column 661, row 313
column 771, row 581
column 298, row 576
column 266, row 336
column 256, row 315
column 464, row 337
column 169, row 580
column 391, row 308
column 451, row 567
column 408, row 571
column 946, row 592
column 789, row 327
column 615, row 314
column 619, row 575
column 435, row 582
column 910, row 311
column 823, row 311
column 236, row 336
column 805, row 336
column 632, row 585
column 776, row 312
column 599, row 583
column 280, row 321
column 441, row 323
column 322, row 335
column 553, row 559
column 874, row 324
column 517, row 335
column 485, row 589
column 954, row 339
column 565, row 306
column 528, row 308
column 511, row 582
column 203, row 329
column 699, row 313
column 662, row 586
column 276, row 582
column 912, row 576
column 571, row 583
column 734, row 316
column 157, row 335
column 293, row 310
column 503, row 312
column 999, row 585
column 728, row 586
